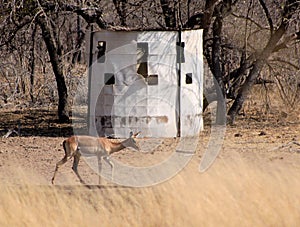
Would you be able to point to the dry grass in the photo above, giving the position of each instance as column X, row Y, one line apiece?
column 232, row 193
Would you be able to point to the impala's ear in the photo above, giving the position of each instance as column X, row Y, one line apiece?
column 131, row 135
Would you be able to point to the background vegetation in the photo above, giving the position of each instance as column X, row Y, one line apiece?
column 245, row 43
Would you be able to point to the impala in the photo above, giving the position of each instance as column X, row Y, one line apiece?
column 101, row 147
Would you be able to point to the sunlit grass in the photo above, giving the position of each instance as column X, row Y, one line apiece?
column 231, row 193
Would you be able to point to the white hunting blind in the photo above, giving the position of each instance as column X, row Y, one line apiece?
column 148, row 81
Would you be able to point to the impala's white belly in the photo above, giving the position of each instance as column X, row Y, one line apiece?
column 90, row 146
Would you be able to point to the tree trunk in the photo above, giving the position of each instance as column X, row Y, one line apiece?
column 79, row 41
column 31, row 64
column 245, row 90
column 55, row 59
column 121, row 10
column 217, row 71
column 169, row 13
column 256, row 68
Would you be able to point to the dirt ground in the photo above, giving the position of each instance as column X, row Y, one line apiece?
column 260, row 139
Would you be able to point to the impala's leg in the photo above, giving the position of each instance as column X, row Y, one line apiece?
column 99, row 167
column 75, row 165
column 61, row 162
column 106, row 158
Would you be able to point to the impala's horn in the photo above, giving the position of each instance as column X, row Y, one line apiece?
column 136, row 134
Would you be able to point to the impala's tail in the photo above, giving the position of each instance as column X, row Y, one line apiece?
column 64, row 146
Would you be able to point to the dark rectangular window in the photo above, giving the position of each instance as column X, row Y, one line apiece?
column 142, row 64
column 189, row 78
column 180, row 52
column 101, row 46
column 105, row 121
column 143, row 47
column 142, row 59
column 109, row 79
column 152, row 80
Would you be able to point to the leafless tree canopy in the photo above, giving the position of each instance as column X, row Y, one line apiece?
column 245, row 43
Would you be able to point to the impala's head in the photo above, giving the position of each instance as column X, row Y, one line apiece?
column 130, row 142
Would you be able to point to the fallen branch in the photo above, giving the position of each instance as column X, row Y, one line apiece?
column 10, row 131
column 285, row 145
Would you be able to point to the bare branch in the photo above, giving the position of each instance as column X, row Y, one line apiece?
column 10, row 131
column 267, row 13
column 14, row 30
column 286, row 43
column 89, row 14
column 249, row 19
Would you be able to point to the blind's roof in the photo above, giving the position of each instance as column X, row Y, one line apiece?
column 128, row 29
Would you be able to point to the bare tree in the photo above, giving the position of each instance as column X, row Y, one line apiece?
column 231, row 30
column 236, row 75
column 259, row 59
column 57, row 66
column 46, row 15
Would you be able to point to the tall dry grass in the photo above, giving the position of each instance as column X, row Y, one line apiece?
column 231, row 193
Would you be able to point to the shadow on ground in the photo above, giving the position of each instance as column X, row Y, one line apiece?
column 38, row 122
